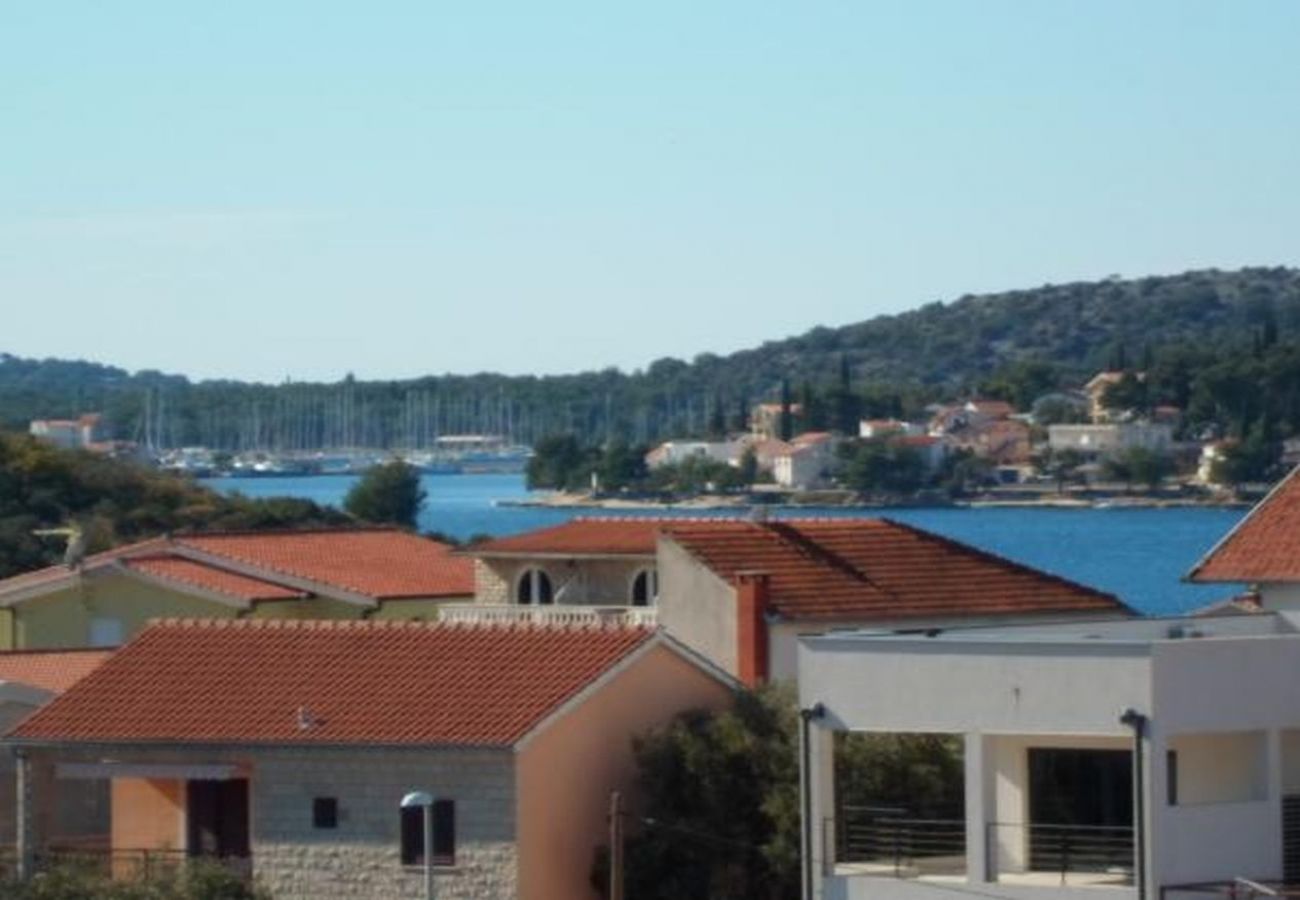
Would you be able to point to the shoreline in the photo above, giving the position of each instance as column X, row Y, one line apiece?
column 714, row 502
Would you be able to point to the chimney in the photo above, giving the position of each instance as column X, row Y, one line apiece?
column 751, row 628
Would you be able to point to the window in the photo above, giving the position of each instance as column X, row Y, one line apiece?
column 444, row 834
column 1171, row 776
column 325, row 812
column 645, row 587
column 106, row 632
column 534, row 587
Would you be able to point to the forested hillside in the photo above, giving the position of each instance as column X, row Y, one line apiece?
column 1224, row 344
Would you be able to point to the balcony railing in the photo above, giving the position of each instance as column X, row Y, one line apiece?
column 899, row 846
column 483, row 613
column 1075, row 853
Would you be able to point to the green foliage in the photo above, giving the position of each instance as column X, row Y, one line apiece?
column 1128, row 394
column 1141, row 466
column 719, row 818
column 116, row 502
column 696, row 475
column 387, row 494
column 1254, row 459
column 1062, row 466
column 195, row 880
column 882, row 466
column 921, row 774
column 560, row 463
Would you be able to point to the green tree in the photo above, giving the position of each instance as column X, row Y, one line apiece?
column 785, row 424
column 882, row 466
column 748, row 470
column 559, row 462
column 388, row 494
column 1139, row 465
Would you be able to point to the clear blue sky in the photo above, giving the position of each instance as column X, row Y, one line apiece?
column 271, row 189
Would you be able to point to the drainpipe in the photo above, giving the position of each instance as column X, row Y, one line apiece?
column 1138, row 722
column 806, row 717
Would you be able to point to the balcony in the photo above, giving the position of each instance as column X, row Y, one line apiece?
column 589, row 616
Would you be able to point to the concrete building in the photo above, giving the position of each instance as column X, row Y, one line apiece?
column 70, row 434
column 1103, row 441
column 1135, row 759
column 325, row 574
column 286, row 746
column 739, row 592
column 671, row 453
column 808, row 462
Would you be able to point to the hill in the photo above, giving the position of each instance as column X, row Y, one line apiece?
column 1215, row 339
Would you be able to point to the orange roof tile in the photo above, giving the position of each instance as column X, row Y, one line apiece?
column 595, row 536
column 379, row 563
column 188, row 572
column 1264, row 546
column 302, row 682
column 50, row 670
column 875, row 568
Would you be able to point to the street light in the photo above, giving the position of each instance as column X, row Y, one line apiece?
column 424, row 800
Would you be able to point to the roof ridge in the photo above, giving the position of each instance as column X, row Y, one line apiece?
column 289, row 532
column 815, row 551
column 376, row 625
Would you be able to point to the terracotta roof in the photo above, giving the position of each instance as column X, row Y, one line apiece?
column 50, row 670
column 1264, row 546
column 377, row 563
column 187, row 572
column 380, row 563
column 878, row 569
column 594, row 536
column 303, row 682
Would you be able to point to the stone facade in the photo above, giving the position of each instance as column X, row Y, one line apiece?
column 577, row 582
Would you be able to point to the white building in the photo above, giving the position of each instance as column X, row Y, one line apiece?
column 1121, row 759
column 807, row 463
column 1106, row 440
column 671, row 453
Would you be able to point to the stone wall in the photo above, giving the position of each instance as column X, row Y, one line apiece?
column 362, row 857
column 586, row 582
column 490, row 584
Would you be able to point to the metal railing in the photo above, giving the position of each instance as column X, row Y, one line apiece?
column 484, row 613
column 900, row 846
column 1104, row 852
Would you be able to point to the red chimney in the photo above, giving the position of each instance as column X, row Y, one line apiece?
column 751, row 628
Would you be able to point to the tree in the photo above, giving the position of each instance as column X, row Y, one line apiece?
column 559, row 462
column 748, row 469
column 785, row 425
column 1253, row 459
column 882, row 466
column 1062, row 465
column 720, row 810
column 1140, row 465
column 389, row 494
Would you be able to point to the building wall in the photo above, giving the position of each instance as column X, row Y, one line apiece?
column 590, row 582
column 697, row 607
column 418, row 609
column 566, row 773
column 147, row 814
column 62, row 619
column 311, row 608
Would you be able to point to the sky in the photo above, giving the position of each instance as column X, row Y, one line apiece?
column 306, row 189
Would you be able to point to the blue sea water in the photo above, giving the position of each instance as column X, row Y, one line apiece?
column 1138, row 554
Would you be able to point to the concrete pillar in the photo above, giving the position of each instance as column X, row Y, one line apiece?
column 980, row 807
column 819, row 845
column 1275, row 789
column 23, row 830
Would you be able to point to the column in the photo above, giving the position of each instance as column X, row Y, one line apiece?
column 23, row 812
column 819, row 801
column 980, row 807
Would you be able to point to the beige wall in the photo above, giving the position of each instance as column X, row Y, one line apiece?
column 696, row 606
column 1220, row 768
column 591, row 582
column 62, row 619
column 147, row 814
column 566, row 773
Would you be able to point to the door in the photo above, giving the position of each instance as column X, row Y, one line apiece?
column 1291, row 839
column 217, row 813
column 1080, row 809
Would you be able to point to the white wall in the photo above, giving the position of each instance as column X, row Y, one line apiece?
column 696, row 606
column 1220, row 768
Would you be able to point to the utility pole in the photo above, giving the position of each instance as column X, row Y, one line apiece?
column 615, row 846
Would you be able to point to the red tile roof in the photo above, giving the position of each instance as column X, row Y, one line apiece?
column 187, row 572
column 610, row 536
column 1265, row 545
column 50, row 670
column 379, row 563
column 301, row 682
column 878, row 569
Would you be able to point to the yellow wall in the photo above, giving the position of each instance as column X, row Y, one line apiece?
column 314, row 608
column 566, row 773
column 427, row 610
column 148, row 814
column 62, row 619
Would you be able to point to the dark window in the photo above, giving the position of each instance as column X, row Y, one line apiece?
column 645, row 587
column 1171, row 776
column 534, row 587
column 325, row 812
column 444, row 834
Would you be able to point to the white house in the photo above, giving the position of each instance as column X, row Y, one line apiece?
column 1106, row 440
column 1134, row 760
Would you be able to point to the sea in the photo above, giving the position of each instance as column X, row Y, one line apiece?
column 1138, row 554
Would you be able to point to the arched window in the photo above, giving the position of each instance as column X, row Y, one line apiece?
column 534, row 587
column 645, row 587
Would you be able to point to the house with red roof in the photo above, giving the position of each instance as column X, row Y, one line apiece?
column 1263, row 550
column 741, row 591
column 321, row 574
column 294, row 762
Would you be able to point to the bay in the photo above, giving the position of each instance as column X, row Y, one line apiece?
column 1138, row 554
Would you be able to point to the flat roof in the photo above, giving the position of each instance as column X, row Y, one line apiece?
column 1110, row 631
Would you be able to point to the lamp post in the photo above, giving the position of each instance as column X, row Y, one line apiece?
column 424, row 801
